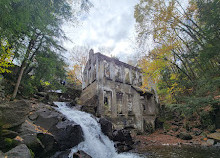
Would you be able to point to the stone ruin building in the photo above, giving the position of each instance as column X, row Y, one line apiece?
column 111, row 89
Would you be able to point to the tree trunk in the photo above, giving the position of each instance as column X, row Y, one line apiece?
column 23, row 66
column 18, row 82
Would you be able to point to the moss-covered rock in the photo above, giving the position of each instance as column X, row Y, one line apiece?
column 8, row 144
column 32, row 153
column 9, row 133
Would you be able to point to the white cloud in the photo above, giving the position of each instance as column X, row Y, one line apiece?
column 110, row 23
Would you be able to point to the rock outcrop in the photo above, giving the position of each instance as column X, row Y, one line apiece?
column 38, row 127
column 215, row 136
column 54, row 131
column 106, row 127
column 20, row 151
column 14, row 113
column 67, row 133
column 122, row 138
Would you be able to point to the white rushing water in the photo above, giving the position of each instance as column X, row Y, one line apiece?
column 96, row 144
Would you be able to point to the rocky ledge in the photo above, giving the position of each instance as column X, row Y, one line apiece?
column 29, row 128
column 34, row 129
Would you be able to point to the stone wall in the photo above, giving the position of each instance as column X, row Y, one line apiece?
column 115, row 87
column 100, row 66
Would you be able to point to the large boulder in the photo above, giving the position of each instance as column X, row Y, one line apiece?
column 33, row 143
column 14, row 113
column 20, row 151
column 122, row 135
column 42, row 144
column 52, row 131
column 215, row 136
column 123, row 139
column 65, row 134
column 68, row 134
column 49, row 143
column 40, row 127
column 47, row 118
column 106, row 127
column 184, row 136
column 27, row 128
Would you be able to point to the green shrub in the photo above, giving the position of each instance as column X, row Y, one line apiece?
column 206, row 119
column 211, row 128
column 166, row 126
column 28, row 89
column 9, row 144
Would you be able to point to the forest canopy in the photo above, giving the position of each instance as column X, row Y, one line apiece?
column 31, row 34
column 184, row 62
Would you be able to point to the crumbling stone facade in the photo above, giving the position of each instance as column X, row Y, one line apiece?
column 111, row 89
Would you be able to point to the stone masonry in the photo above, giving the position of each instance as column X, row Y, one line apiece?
column 112, row 89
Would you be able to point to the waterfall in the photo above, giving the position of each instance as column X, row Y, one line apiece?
column 96, row 144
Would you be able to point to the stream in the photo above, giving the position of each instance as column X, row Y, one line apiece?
column 97, row 145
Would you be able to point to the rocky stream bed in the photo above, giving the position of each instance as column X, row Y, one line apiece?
column 33, row 129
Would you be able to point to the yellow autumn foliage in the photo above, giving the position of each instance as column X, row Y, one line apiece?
column 6, row 55
column 74, row 75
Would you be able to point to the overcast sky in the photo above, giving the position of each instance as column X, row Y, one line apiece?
column 110, row 23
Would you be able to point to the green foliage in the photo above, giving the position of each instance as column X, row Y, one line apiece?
column 193, row 105
column 166, row 126
column 8, row 141
column 5, row 57
column 184, row 63
column 29, row 86
column 50, row 65
column 47, row 74
column 1, row 124
column 35, row 35
column 32, row 153
column 206, row 119
column 9, row 144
